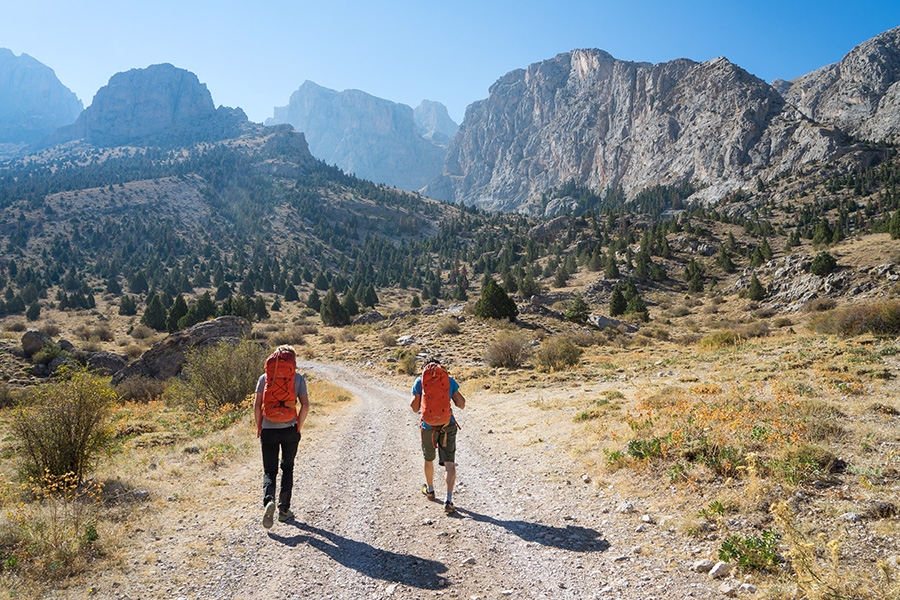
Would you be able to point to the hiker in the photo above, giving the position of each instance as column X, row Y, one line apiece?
column 431, row 396
column 278, row 425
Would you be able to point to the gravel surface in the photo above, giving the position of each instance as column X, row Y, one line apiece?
column 524, row 526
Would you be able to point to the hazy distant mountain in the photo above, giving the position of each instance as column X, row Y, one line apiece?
column 434, row 122
column 860, row 94
column 33, row 102
column 158, row 105
column 602, row 123
column 372, row 138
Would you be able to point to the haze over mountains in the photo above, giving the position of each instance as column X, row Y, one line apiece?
column 582, row 117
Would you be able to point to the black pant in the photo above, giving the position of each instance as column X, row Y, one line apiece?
column 286, row 439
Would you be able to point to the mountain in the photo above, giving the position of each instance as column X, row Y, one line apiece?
column 860, row 94
column 605, row 124
column 372, row 138
column 159, row 105
column 434, row 122
column 33, row 102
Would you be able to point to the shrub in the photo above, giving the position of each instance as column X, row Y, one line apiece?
column 8, row 395
column 509, row 350
column 406, row 363
column 719, row 339
column 820, row 305
column 142, row 332
column 495, row 303
column 140, row 388
column 388, row 339
column 823, row 264
column 752, row 552
column 558, row 353
column 578, row 310
column 50, row 329
column 878, row 317
column 448, row 326
column 223, row 374
column 16, row 326
column 293, row 337
column 63, row 426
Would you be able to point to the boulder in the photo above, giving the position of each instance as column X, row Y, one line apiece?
column 373, row 316
column 106, row 363
column 33, row 341
column 166, row 358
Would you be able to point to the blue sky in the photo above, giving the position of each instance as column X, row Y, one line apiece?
column 255, row 54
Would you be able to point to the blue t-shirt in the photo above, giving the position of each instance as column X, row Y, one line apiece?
column 417, row 390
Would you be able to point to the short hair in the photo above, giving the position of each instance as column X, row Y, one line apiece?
column 286, row 348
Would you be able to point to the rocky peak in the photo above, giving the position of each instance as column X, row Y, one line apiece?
column 860, row 94
column 33, row 102
column 434, row 122
column 370, row 137
column 160, row 104
column 603, row 123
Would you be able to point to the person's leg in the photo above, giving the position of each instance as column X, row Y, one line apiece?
column 290, row 439
column 270, row 447
column 447, row 458
column 451, row 479
column 429, row 453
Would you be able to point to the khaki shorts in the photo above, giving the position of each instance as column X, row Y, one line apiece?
column 445, row 440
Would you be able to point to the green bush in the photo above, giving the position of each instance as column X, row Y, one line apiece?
column 558, row 353
column 823, row 264
column 881, row 317
column 63, row 426
column 224, row 373
column 509, row 350
column 752, row 552
column 495, row 303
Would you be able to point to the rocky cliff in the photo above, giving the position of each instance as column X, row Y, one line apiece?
column 604, row 123
column 370, row 137
column 33, row 102
column 860, row 94
column 159, row 105
column 434, row 122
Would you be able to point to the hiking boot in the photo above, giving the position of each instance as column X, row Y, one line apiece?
column 426, row 493
column 268, row 515
column 448, row 507
column 285, row 515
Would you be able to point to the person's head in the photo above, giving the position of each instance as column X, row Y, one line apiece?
column 286, row 348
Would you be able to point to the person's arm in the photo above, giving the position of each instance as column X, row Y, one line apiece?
column 458, row 399
column 416, row 402
column 304, row 410
column 257, row 410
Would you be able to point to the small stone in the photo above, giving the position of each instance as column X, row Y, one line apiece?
column 647, row 519
column 747, row 588
column 851, row 517
column 719, row 570
column 469, row 561
column 585, row 478
column 703, row 566
column 728, row 588
column 626, row 507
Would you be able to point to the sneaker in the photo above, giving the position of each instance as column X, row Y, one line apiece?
column 285, row 515
column 448, row 507
column 268, row 515
column 429, row 495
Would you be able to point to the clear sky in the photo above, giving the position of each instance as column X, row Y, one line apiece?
column 253, row 55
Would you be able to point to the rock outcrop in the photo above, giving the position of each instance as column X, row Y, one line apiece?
column 160, row 105
column 434, row 122
column 860, row 94
column 604, row 123
column 370, row 137
column 33, row 102
column 166, row 358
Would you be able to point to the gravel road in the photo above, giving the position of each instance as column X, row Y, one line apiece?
column 524, row 528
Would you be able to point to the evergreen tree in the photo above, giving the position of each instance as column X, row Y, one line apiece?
column 611, row 271
column 34, row 311
column 561, row 278
column 314, row 301
column 756, row 291
column 578, row 310
column 290, row 294
column 155, row 314
column 127, row 306
column 370, row 297
column 617, row 303
column 495, row 303
column 259, row 309
column 350, row 305
column 321, row 282
column 176, row 312
column 415, row 302
column 332, row 313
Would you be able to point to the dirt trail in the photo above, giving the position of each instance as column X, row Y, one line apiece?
column 363, row 529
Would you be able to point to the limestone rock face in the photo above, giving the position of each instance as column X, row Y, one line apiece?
column 33, row 102
column 370, row 137
column 161, row 104
column 860, row 94
column 604, row 123
column 434, row 122
column 166, row 358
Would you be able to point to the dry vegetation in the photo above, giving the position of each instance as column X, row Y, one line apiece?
column 717, row 411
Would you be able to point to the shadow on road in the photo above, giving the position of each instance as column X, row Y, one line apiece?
column 370, row 561
column 570, row 537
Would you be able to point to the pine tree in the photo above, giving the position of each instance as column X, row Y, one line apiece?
column 617, row 303
column 495, row 303
column 756, row 291
column 332, row 313
column 176, row 312
column 350, row 305
column 314, row 301
column 155, row 314
column 578, row 310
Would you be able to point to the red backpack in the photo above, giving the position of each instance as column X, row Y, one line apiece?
column 435, row 395
column 279, row 397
